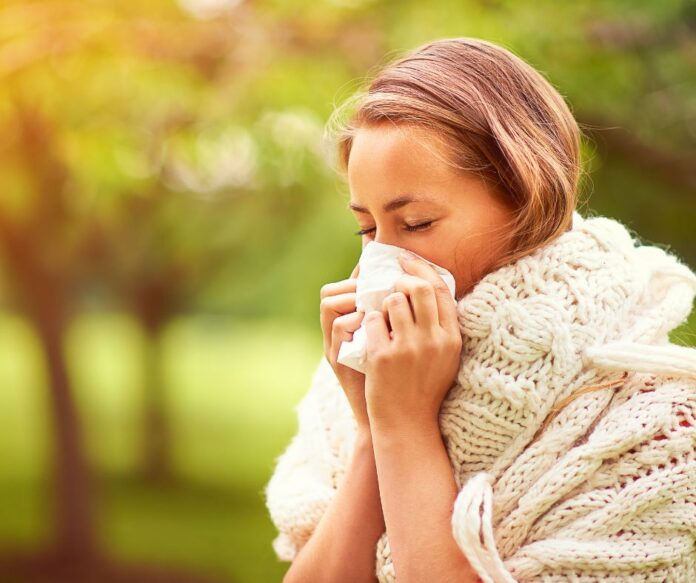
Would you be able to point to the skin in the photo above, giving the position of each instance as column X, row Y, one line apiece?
column 414, row 343
column 460, row 220
column 399, row 477
column 468, row 216
column 461, row 227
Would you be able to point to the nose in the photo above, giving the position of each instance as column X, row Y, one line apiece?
column 386, row 240
column 385, row 236
column 392, row 242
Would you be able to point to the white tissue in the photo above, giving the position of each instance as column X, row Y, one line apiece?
column 379, row 270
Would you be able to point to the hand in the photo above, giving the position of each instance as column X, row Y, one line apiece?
column 410, row 370
column 339, row 319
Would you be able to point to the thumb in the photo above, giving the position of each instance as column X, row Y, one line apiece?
column 356, row 270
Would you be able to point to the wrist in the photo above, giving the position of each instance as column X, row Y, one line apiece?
column 410, row 441
column 404, row 427
column 363, row 436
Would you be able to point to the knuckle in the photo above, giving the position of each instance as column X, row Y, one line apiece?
column 441, row 288
column 409, row 350
column 453, row 342
column 431, row 348
column 396, row 297
column 326, row 289
column 438, row 343
column 337, row 324
column 392, row 299
column 422, row 287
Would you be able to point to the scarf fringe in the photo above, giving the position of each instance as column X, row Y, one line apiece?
column 474, row 508
column 670, row 360
column 472, row 516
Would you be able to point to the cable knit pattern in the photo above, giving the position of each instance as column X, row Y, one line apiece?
column 603, row 489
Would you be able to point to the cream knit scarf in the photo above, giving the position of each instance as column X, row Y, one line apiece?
column 601, row 487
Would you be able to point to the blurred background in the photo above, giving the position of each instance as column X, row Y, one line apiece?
column 168, row 215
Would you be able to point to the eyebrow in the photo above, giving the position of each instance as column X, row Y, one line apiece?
column 394, row 204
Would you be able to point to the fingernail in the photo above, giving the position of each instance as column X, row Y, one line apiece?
column 407, row 255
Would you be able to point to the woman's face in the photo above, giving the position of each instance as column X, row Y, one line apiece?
column 398, row 178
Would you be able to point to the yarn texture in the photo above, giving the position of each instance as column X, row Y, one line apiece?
column 597, row 488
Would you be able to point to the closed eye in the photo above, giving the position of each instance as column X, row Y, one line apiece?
column 411, row 228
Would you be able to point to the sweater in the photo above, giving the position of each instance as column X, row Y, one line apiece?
column 570, row 426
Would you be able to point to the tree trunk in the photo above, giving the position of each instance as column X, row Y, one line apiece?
column 73, row 493
column 156, row 459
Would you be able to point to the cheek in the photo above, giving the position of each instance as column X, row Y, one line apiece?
column 469, row 261
column 463, row 255
column 442, row 254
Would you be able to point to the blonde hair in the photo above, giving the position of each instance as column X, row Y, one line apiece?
column 498, row 117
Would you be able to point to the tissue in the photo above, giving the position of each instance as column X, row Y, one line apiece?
column 379, row 270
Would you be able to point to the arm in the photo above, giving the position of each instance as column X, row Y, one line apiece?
column 342, row 548
column 303, row 492
column 418, row 491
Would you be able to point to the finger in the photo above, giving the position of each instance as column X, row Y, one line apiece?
column 349, row 322
column 376, row 332
column 400, row 316
column 337, row 287
column 422, row 299
column 446, row 305
column 332, row 306
column 342, row 330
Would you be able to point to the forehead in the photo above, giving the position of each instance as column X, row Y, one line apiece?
column 394, row 146
column 394, row 160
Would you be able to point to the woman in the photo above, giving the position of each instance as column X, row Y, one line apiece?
column 541, row 429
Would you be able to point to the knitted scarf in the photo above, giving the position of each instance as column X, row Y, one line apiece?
column 570, row 427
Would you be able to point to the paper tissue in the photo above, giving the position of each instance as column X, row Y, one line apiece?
column 379, row 270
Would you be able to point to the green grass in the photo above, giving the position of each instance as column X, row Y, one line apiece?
column 230, row 389
column 223, row 533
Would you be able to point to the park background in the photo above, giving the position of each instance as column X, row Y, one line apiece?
column 168, row 214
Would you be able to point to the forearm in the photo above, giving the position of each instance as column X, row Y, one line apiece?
column 343, row 545
column 418, row 491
